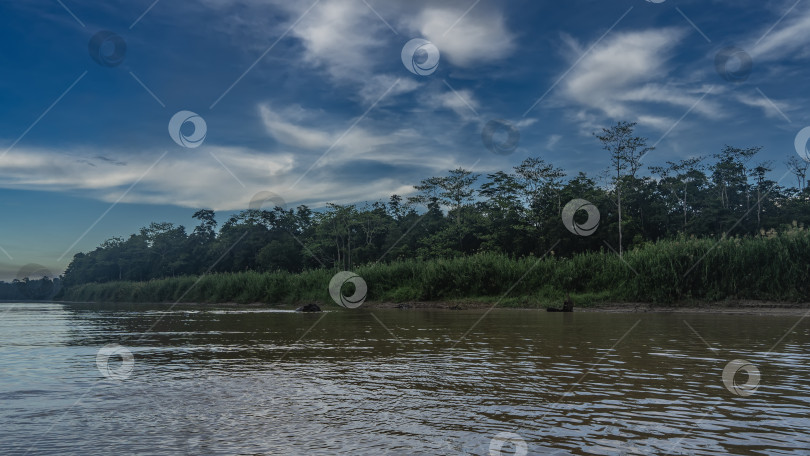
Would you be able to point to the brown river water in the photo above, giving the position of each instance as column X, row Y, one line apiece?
column 119, row 380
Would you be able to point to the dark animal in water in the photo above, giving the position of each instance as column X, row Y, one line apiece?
column 568, row 305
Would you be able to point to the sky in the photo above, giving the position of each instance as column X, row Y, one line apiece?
column 115, row 114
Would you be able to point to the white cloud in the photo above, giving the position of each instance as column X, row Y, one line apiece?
column 526, row 122
column 657, row 122
column 352, row 44
column 188, row 178
column 462, row 102
column 788, row 40
column 191, row 178
column 348, row 41
column 676, row 95
column 620, row 79
column 226, row 177
column 339, row 35
column 348, row 38
column 403, row 146
column 478, row 37
column 623, row 59
column 291, row 134
column 342, row 38
column 473, row 40
column 770, row 107
column 342, row 141
column 383, row 88
column 552, row 141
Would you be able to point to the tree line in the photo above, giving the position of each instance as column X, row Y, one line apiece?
column 515, row 212
column 28, row 289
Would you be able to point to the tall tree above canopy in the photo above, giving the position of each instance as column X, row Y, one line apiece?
column 677, row 176
column 730, row 174
column 429, row 193
column 541, row 182
column 207, row 228
column 626, row 152
column 457, row 188
column 798, row 167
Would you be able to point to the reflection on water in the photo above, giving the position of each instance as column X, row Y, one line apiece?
column 273, row 382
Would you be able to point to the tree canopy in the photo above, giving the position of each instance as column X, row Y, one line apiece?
column 516, row 212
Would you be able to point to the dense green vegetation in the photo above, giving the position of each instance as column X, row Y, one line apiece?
column 773, row 266
column 466, row 232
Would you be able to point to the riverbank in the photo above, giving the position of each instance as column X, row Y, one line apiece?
column 746, row 307
column 668, row 273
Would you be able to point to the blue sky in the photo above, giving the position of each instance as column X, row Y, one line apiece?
column 312, row 101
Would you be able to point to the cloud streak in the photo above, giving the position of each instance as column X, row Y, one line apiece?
column 183, row 179
column 620, row 79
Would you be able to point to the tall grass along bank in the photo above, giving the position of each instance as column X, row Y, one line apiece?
column 773, row 266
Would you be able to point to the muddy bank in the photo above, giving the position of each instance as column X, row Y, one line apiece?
column 749, row 307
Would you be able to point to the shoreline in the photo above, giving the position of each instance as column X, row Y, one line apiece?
column 740, row 307
column 743, row 307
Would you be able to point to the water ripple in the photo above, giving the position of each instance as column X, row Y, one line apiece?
column 245, row 382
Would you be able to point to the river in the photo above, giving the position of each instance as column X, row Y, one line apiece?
column 101, row 380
